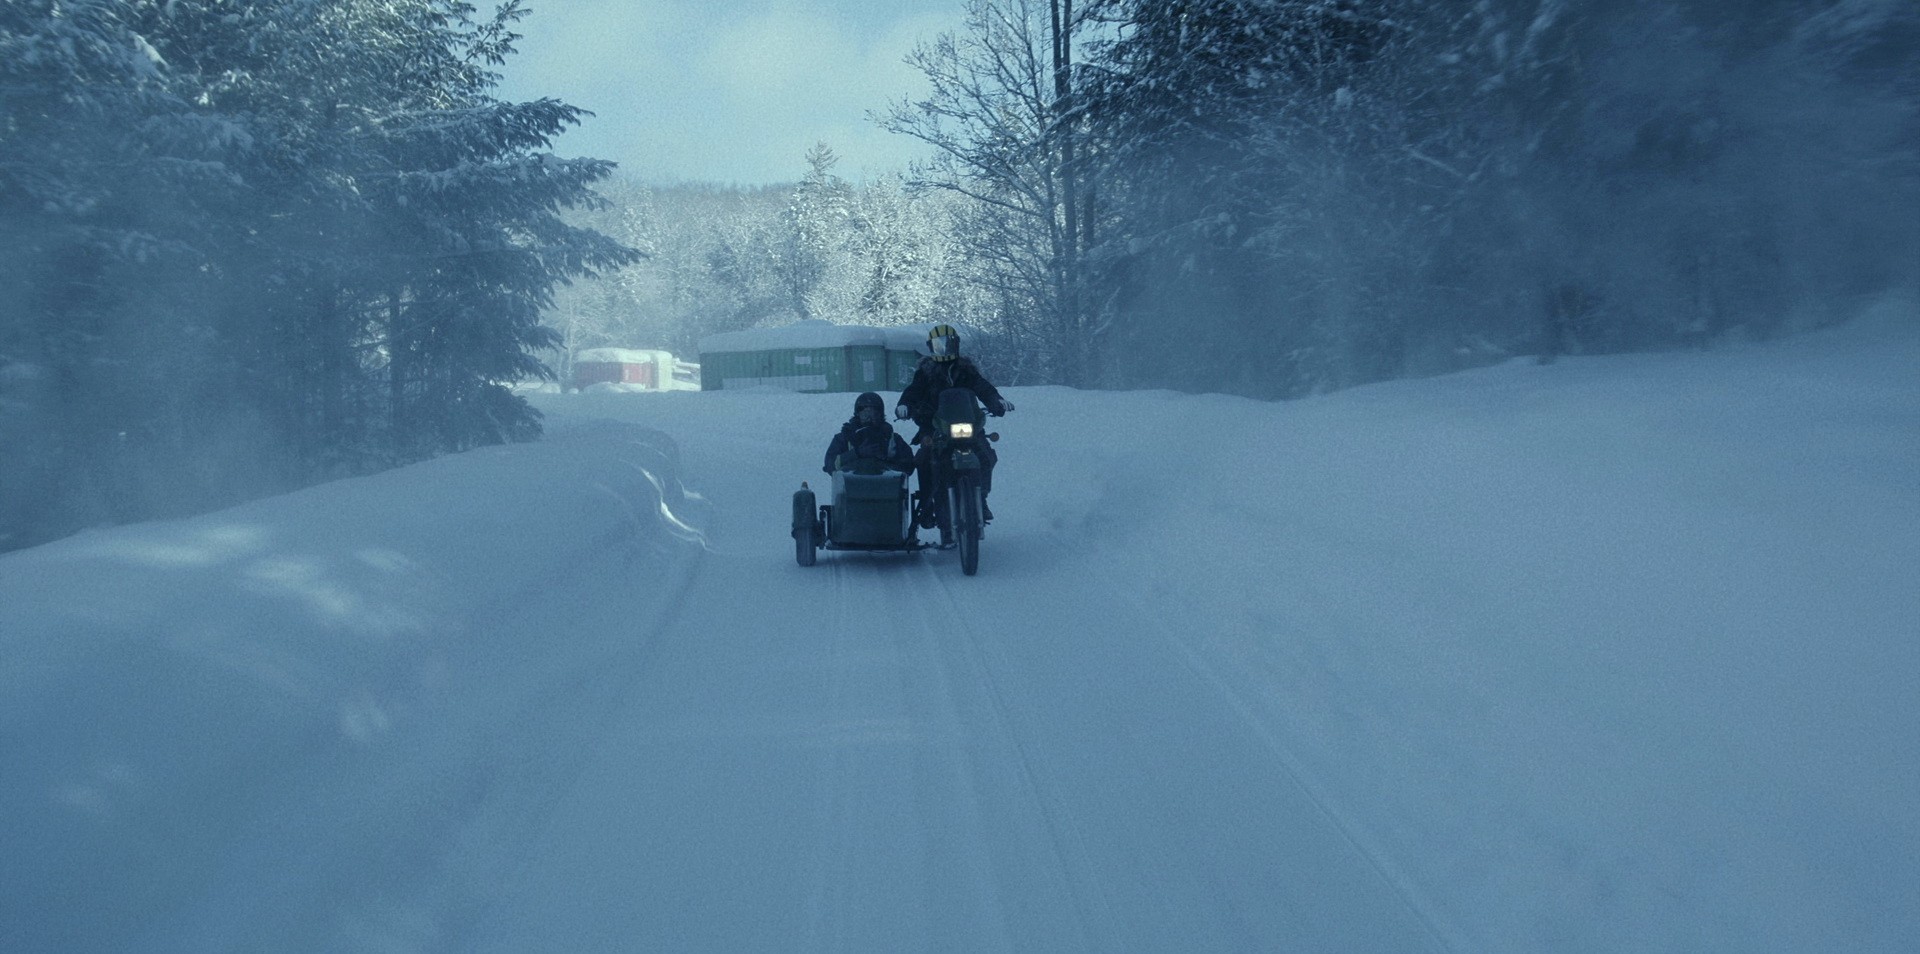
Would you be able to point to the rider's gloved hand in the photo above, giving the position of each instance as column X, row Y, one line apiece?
column 900, row 412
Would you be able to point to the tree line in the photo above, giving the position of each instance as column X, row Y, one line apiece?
column 726, row 258
column 1282, row 197
column 253, row 244
column 1278, row 197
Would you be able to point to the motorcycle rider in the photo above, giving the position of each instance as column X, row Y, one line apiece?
column 945, row 367
column 868, row 436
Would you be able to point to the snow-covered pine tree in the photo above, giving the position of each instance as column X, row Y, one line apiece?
column 287, row 239
column 812, row 231
column 110, row 196
column 408, row 227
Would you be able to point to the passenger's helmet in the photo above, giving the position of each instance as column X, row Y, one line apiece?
column 943, row 343
column 869, row 409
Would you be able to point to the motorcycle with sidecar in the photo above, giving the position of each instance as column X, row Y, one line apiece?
column 872, row 509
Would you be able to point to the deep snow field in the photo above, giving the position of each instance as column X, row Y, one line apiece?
column 1613, row 654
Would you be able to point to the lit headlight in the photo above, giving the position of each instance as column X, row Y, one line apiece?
column 960, row 432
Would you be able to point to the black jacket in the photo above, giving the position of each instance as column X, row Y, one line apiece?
column 876, row 441
column 922, row 396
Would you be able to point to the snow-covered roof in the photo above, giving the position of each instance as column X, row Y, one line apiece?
column 622, row 356
column 818, row 334
column 800, row 334
column 909, row 338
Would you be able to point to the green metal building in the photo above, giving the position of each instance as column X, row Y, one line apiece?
column 812, row 356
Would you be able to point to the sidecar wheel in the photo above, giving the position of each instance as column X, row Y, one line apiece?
column 806, row 544
column 806, row 526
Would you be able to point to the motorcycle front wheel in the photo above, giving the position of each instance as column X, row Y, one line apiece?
column 966, row 522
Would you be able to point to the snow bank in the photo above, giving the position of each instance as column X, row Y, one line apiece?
column 170, row 688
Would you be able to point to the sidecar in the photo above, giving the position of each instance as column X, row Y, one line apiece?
column 871, row 510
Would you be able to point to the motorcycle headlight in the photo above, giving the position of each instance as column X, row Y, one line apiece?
column 960, row 432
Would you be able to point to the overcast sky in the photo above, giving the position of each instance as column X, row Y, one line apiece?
column 731, row 91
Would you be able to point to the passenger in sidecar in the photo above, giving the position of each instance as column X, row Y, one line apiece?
column 871, row 508
column 867, row 439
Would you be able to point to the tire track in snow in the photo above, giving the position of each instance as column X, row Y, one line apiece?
column 1239, row 701
column 832, row 784
column 950, row 618
column 583, row 706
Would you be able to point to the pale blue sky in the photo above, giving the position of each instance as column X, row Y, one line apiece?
column 730, row 91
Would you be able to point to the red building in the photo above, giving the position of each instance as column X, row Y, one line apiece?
column 645, row 370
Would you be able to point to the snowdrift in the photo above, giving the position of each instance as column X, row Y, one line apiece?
column 298, row 673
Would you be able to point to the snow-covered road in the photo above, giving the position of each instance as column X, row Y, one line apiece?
column 1611, row 654
column 879, row 754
